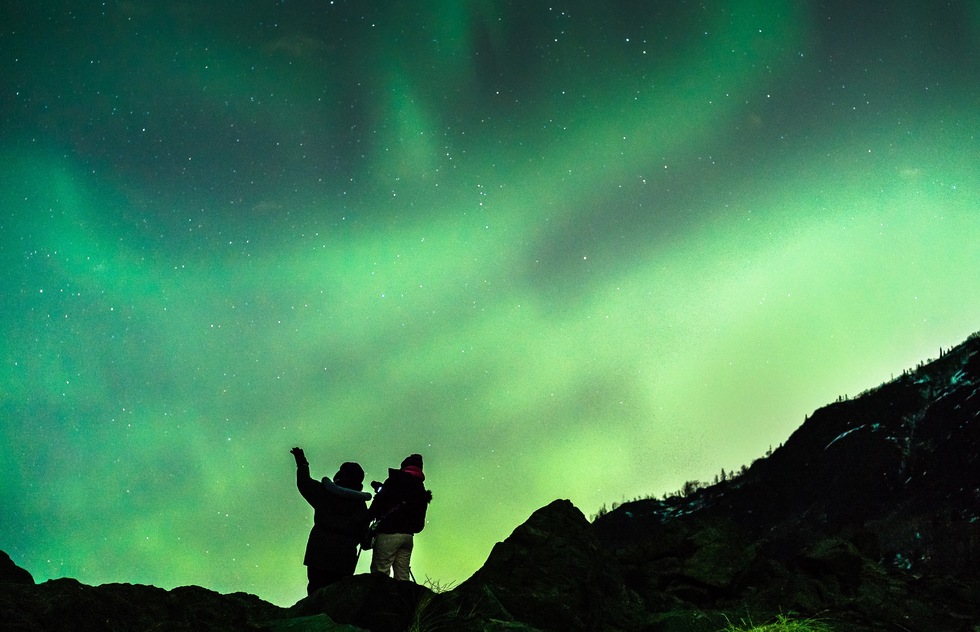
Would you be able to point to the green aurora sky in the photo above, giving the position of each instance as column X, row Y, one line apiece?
column 585, row 250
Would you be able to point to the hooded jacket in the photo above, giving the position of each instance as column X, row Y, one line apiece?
column 401, row 503
column 340, row 517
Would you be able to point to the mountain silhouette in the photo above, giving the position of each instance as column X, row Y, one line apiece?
column 867, row 515
column 867, row 519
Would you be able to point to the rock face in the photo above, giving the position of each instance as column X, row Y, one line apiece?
column 868, row 515
column 65, row 604
column 552, row 573
column 868, row 518
column 10, row 573
column 377, row 603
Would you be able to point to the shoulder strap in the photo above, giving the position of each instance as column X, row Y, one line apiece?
column 386, row 514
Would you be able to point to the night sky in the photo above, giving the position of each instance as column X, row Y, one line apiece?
column 571, row 249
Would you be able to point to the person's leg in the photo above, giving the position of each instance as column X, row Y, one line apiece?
column 346, row 563
column 317, row 578
column 385, row 545
column 403, row 557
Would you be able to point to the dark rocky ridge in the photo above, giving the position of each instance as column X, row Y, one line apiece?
column 867, row 518
column 869, row 514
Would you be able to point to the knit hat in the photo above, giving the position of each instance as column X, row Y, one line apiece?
column 414, row 460
column 350, row 475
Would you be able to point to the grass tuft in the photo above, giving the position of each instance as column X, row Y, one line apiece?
column 430, row 614
column 781, row 624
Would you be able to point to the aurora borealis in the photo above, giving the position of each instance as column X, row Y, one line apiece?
column 563, row 250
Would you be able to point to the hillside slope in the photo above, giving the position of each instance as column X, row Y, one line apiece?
column 869, row 511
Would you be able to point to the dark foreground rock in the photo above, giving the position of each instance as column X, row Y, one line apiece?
column 379, row 604
column 553, row 574
column 65, row 604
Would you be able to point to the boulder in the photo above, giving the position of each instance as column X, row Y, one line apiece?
column 377, row 603
column 720, row 556
column 552, row 574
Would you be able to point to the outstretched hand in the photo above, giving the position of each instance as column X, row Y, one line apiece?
column 298, row 454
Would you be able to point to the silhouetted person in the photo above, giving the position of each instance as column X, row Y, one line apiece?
column 340, row 516
column 399, row 507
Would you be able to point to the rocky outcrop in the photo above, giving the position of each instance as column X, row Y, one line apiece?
column 378, row 603
column 552, row 574
column 10, row 573
column 869, row 515
column 65, row 604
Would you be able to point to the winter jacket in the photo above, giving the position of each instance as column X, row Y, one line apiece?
column 401, row 503
column 340, row 517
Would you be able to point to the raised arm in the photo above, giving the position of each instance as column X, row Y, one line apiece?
column 309, row 488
